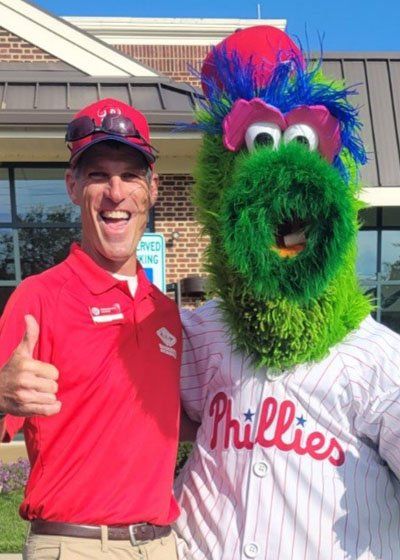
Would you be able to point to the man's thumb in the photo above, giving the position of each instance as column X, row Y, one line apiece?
column 30, row 338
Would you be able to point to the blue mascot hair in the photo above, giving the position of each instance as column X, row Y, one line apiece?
column 290, row 84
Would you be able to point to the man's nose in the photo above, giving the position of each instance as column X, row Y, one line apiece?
column 115, row 189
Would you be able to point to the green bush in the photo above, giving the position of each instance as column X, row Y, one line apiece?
column 184, row 450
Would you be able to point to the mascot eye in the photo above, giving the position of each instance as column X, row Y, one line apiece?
column 263, row 134
column 303, row 134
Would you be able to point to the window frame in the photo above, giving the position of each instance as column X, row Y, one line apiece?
column 379, row 282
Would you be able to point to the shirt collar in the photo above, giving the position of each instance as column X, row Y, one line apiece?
column 98, row 280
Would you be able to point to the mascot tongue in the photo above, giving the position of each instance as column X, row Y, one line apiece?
column 290, row 239
column 276, row 191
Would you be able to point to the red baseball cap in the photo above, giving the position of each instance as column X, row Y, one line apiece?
column 109, row 119
column 265, row 46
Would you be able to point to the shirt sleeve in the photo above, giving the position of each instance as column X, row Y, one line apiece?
column 376, row 394
column 13, row 425
column 23, row 301
column 201, row 357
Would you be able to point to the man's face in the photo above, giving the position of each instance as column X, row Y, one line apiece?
column 114, row 194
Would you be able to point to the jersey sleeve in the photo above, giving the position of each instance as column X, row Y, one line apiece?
column 201, row 357
column 376, row 393
column 23, row 301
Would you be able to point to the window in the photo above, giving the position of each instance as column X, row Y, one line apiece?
column 378, row 263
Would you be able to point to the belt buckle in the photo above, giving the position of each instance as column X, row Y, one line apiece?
column 132, row 538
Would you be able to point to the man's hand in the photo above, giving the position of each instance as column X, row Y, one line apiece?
column 28, row 386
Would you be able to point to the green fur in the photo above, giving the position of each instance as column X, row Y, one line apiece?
column 270, row 187
column 280, row 334
column 280, row 311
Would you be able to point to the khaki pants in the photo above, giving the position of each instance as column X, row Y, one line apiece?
column 49, row 547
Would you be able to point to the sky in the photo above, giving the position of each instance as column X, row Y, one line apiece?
column 347, row 25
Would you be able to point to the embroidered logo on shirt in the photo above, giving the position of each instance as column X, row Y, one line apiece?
column 168, row 340
column 106, row 314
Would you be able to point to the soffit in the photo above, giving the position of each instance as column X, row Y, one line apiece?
column 166, row 31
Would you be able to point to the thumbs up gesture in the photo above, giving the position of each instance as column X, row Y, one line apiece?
column 28, row 386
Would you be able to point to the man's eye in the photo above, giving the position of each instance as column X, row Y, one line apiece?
column 133, row 177
column 263, row 134
column 97, row 175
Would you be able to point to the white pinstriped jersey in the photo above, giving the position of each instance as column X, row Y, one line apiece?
column 303, row 467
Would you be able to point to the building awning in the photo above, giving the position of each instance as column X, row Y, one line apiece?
column 376, row 77
column 35, row 107
column 49, row 99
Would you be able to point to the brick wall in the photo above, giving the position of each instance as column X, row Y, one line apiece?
column 174, row 212
column 15, row 49
column 171, row 60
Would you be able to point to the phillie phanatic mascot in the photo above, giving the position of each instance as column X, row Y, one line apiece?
column 296, row 387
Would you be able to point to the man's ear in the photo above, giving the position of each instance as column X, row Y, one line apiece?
column 70, row 181
column 153, row 189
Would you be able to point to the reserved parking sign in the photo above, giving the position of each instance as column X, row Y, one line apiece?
column 151, row 255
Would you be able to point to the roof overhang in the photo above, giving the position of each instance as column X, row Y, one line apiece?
column 165, row 31
column 34, row 114
column 48, row 99
column 381, row 196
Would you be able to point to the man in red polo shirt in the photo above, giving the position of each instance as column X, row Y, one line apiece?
column 89, row 363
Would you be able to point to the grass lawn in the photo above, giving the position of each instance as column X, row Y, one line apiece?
column 12, row 527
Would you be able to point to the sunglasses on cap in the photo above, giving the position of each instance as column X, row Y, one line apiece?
column 117, row 125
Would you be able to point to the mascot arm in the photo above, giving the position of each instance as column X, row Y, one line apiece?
column 377, row 402
column 201, row 358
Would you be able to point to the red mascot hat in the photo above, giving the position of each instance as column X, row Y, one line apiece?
column 262, row 46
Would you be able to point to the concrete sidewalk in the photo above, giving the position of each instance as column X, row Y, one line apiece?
column 10, row 452
column 10, row 556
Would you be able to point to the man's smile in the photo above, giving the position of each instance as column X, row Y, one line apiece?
column 112, row 215
column 115, row 221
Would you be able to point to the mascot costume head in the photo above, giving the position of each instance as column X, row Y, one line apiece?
column 276, row 191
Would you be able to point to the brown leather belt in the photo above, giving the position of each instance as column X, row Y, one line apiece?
column 137, row 533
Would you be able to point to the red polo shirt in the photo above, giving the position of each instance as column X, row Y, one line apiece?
column 108, row 457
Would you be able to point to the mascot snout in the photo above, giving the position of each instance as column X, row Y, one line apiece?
column 287, row 221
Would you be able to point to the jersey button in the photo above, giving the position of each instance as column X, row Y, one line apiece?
column 260, row 469
column 251, row 550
